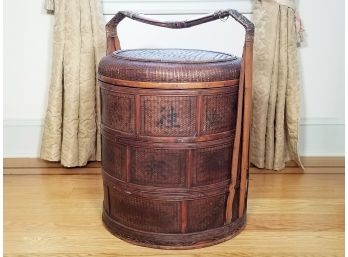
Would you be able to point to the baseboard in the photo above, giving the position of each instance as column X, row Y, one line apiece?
column 32, row 163
column 35, row 166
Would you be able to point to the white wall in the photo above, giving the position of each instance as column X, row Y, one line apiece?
column 27, row 53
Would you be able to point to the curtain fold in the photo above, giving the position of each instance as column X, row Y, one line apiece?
column 275, row 119
column 72, row 124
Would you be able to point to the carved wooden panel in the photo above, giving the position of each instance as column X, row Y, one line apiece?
column 206, row 213
column 213, row 164
column 160, row 167
column 145, row 214
column 219, row 112
column 118, row 111
column 168, row 115
column 112, row 156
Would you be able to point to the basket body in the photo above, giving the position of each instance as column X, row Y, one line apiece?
column 168, row 128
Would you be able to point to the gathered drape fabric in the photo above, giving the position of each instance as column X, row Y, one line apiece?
column 72, row 125
column 275, row 119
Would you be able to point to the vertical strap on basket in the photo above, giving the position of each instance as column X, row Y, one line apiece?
column 248, row 62
column 242, row 135
column 236, row 146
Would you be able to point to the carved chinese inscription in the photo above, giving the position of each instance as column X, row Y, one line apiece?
column 154, row 169
column 168, row 118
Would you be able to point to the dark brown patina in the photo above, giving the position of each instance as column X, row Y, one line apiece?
column 175, row 131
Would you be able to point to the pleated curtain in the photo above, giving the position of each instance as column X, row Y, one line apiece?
column 276, row 103
column 71, row 130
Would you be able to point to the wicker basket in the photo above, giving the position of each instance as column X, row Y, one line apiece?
column 175, row 135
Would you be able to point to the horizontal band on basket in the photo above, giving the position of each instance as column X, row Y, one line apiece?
column 117, row 139
column 175, row 241
column 115, row 88
column 169, row 85
column 155, row 139
column 163, row 193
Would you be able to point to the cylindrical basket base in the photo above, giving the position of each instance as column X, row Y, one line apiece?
column 174, row 241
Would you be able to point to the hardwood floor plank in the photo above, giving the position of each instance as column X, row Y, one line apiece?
column 288, row 215
column 247, row 244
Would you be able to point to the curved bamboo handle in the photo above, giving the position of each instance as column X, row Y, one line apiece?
column 113, row 42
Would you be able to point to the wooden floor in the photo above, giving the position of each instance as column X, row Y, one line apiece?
column 60, row 215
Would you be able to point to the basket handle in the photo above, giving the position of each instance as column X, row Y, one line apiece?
column 113, row 42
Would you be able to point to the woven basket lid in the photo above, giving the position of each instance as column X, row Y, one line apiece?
column 170, row 65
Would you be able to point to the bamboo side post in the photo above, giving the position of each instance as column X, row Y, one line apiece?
column 236, row 146
column 246, row 126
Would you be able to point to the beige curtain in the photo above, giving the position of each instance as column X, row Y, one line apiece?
column 71, row 131
column 275, row 121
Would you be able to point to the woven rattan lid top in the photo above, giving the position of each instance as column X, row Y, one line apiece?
column 173, row 55
column 170, row 65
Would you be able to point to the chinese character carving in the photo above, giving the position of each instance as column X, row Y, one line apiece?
column 168, row 118
column 154, row 169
